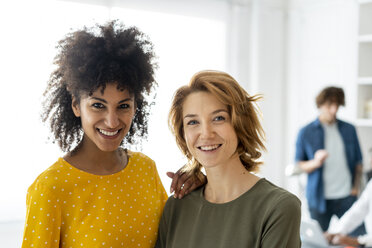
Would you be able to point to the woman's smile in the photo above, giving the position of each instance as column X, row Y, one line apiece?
column 109, row 134
column 209, row 148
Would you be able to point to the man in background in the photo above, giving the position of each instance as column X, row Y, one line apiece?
column 328, row 150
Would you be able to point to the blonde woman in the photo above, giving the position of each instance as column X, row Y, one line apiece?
column 216, row 126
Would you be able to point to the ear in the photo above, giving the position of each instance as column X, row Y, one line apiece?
column 75, row 107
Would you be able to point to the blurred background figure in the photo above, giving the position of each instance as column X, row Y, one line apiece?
column 328, row 150
column 359, row 212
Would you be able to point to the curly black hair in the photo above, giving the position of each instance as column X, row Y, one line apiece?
column 90, row 58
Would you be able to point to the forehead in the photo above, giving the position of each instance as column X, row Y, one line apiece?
column 111, row 90
column 202, row 102
column 330, row 103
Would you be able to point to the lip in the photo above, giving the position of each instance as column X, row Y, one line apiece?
column 109, row 136
column 211, row 149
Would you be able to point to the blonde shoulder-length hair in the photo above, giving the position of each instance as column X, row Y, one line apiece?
column 242, row 109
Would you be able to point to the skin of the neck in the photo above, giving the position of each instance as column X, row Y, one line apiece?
column 324, row 120
column 90, row 158
column 228, row 181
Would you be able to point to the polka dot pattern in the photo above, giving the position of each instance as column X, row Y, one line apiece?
column 67, row 207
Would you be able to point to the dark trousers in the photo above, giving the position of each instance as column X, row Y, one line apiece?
column 336, row 207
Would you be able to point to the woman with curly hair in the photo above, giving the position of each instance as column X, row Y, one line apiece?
column 99, row 194
column 216, row 126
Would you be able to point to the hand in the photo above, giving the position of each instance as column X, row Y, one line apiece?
column 184, row 183
column 354, row 191
column 340, row 239
column 320, row 156
column 329, row 237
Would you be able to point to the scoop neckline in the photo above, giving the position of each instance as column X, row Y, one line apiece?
column 70, row 166
column 249, row 191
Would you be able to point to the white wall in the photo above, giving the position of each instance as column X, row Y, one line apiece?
column 322, row 52
column 257, row 58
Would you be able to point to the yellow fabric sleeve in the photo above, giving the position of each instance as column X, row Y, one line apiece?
column 43, row 219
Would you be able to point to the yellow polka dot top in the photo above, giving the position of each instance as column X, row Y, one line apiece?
column 67, row 207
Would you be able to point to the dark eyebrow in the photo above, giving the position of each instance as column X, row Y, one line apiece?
column 103, row 100
column 213, row 113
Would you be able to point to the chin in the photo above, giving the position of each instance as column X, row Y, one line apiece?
column 208, row 164
column 108, row 148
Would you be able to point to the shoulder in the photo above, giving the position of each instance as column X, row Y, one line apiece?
column 308, row 131
column 140, row 158
column 142, row 165
column 276, row 196
column 276, row 206
column 50, row 178
column 187, row 206
column 186, row 202
column 310, row 126
column 345, row 125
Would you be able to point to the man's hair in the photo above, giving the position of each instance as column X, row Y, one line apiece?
column 87, row 60
column 331, row 94
column 242, row 110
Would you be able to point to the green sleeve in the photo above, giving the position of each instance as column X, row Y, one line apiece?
column 283, row 227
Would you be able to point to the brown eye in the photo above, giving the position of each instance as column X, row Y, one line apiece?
column 98, row 105
column 124, row 106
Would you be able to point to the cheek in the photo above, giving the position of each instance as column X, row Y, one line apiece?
column 189, row 138
column 86, row 118
column 127, row 118
column 233, row 138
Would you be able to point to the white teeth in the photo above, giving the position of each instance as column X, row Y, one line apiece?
column 209, row 148
column 107, row 133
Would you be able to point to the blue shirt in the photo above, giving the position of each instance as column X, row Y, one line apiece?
column 309, row 140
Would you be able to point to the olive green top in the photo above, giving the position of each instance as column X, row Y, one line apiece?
column 264, row 216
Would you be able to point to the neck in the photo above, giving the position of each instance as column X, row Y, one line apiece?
column 324, row 120
column 228, row 182
column 90, row 158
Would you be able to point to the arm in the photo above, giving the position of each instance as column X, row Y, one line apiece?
column 359, row 166
column 161, row 241
column 357, row 179
column 162, row 233
column 344, row 240
column 340, row 239
column 283, row 226
column 302, row 158
column 355, row 215
column 43, row 219
column 313, row 164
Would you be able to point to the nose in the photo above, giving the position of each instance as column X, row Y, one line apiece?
column 112, row 119
column 333, row 109
column 206, row 131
